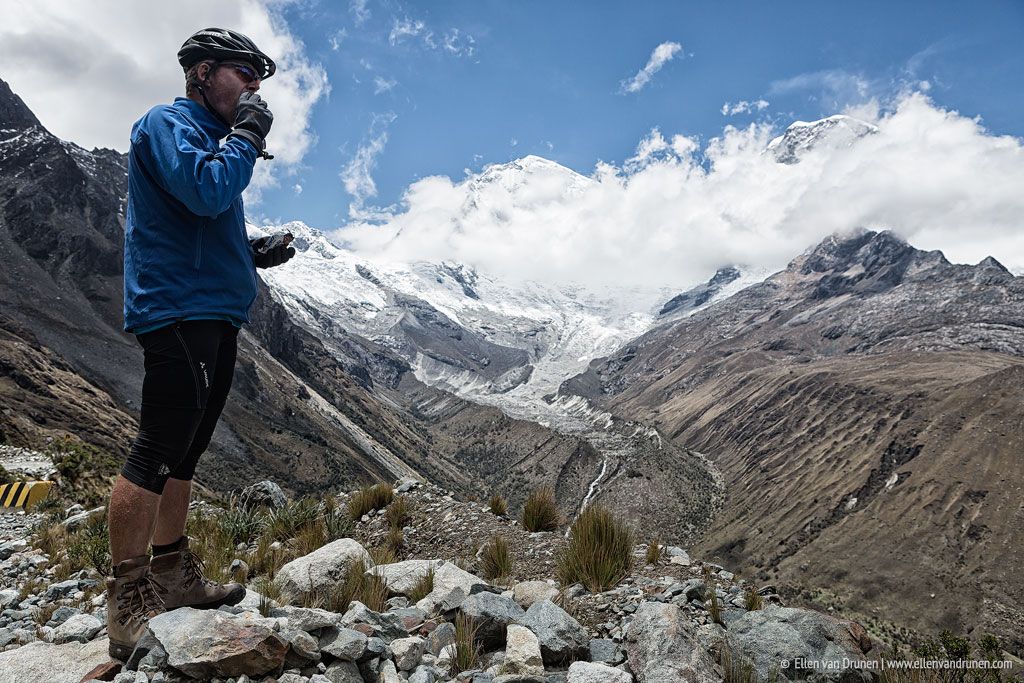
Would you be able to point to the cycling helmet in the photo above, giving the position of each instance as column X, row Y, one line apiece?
column 224, row 44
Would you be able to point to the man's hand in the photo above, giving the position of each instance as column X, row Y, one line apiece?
column 252, row 120
column 274, row 256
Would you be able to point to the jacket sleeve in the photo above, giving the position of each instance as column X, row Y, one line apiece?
column 205, row 182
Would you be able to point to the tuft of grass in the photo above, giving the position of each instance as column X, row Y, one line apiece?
column 735, row 668
column 397, row 513
column 336, row 523
column 655, row 551
column 89, row 546
column 599, row 553
column 382, row 555
column 369, row 589
column 368, row 498
column 212, row 543
column 243, row 525
column 264, row 560
column 423, row 587
column 466, row 649
column 752, row 599
column 540, row 513
column 43, row 614
column 498, row 505
column 286, row 522
column 269, row 592
column 310, row 537
column 495, row 561
column 394, row 540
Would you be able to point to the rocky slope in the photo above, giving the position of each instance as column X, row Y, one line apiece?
column 676, row 619
column 864, row 408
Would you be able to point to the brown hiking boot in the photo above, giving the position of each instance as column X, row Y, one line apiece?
column 133, row 597
column 181, row 575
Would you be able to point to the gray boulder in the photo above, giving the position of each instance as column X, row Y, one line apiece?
column 769, row 637
column 79, row 627
column 491, row 614
column 561, row 637
column 528, row 592
column 39, row 661
column 263, row 494
column 208, row 643
column 401, row 577
column 450, row 579
column 661, row 647
column 343, row 643
column 590, row 672
column 522, row 652
column 343, row 672
column 321, row 568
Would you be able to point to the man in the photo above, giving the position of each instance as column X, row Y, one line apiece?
column 189, row 280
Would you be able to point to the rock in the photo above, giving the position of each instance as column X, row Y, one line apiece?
column 80, row 627
column 16, row 545
column 449, row 578
column 522, row 652
column 407, row 652
column 512, row 678
column 107, row 671
column 75, row 521
column 660, row 647
column 388, row 673
column 386, row 625
column 561, row 637
column 491, row 614
column 62, row 589
column 727, row 575
column 207, row 643
column 8, row 597
column 440, row 638
column 343, row 672
column 39, row 661
column 528, row 592
column 406, row 484
column 303, row 651
column 321, row 568
column 423, row 674
column 773, row 635
column 62, row 614
column 402, row 577
column 605, row 651
column 589, row 672
column 263, row 494
column 306, row 618
column 343, row 643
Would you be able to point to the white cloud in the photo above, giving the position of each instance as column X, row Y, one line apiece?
column 458, row 43
column 513, row 142
column 676, row 211
column 357, row 175
column 453, row 41
column 409, row 28
column 359, row 10
column 381, row 84
column 835, row 88
column 297, row 188
column 743, row 107
column 660, row 56
column 337, row 38
column 122, row 78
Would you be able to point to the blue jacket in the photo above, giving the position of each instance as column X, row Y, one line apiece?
column 186, row 253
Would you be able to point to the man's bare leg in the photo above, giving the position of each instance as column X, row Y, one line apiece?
column 173, row 512
column 131, row 518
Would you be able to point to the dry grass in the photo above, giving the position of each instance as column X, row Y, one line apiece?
column 752, row 599
column 467, row 649
column 369, row 498
column 382, row 554
column 397, row 514
column 498, row 505
column 357, row 584
column 599, row 553
column 495, row 560
column 735, row 668
column 423, row 586
column 540, row 512
column 655, row 551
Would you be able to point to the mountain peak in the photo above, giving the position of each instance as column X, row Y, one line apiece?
column 14, row 113
column 802, row 136
column 865, row 248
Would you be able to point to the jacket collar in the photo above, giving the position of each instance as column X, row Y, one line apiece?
column 210, row 124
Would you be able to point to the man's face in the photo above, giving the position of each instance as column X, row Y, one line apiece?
column 224, row 83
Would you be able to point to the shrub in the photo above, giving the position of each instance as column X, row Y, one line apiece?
column 382, row 554
column 735, row 668
column 369, row 589
column 265, row 560
column 599, row 553
column 496, row 563
column 369, row 498
column 397, row 513
column 285, row 523
column 87, row 472
column 89, row 546
column 242, row 525
column 212, row 544
column 394, row 540
column 498, row 505
column 753, row 600
column 655, row 551
column 423, row 586
column 540, row 513
column 466, row 649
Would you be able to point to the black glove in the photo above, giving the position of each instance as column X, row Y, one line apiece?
column 274, row 256
column 252, row 120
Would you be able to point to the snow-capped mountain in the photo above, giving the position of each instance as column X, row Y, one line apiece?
column 802, row 136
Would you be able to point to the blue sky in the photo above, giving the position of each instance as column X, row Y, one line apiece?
column 546, row 78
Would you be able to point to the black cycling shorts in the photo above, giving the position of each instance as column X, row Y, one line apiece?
column 189, row 367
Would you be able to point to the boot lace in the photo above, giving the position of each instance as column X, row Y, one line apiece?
column 139, row 598
column 195, row 570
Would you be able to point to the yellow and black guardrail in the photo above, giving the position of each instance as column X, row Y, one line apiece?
column 24, row 494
